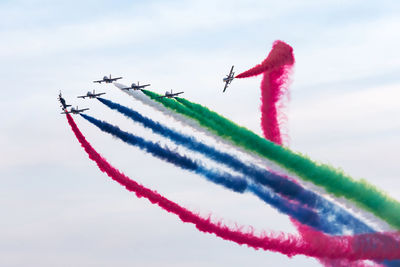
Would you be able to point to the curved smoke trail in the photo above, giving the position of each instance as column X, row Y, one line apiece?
column 236, row 183
column 338, row 220
column 301, row 214
column 301, row 229
column 368, row 246
column 280, row 55
column 332, row 180
column 275, row 69
column 183, row 114
column 230, row 161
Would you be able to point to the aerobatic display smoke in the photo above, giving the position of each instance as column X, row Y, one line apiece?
column 236, row 183
column 280, row 55
column 276, row 175
column 365, row 246
column 332, row 180
column 186, row 120
column 139, row 96
column 275, row 69
column 328, row 212
column 334, row 219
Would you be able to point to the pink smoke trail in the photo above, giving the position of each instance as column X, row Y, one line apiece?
column 276, row 69
column 288, row 244
column 280, row 55
column 307, row 236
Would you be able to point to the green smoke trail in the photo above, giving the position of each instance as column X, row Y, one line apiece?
column 334, row 181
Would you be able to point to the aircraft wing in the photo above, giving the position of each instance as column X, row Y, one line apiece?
column 231, row 71
column 82, row 96
column 99, row 94
column 82, row 110
column 114, row 79
column 226, row 86
column 143, row 86
column 100, row 81
column 126, row 88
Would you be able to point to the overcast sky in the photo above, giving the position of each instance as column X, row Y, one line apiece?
column 58, row 209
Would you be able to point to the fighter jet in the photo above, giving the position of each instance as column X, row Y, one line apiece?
column 228, row 79
column 170, row 94
column 62, row 101
column 108, row 79
column 136, row 86
column 74, row 110
column 91, row 95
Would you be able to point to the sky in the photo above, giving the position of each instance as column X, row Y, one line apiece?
column 58, row 209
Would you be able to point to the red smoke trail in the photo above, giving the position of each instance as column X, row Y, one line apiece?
column 276, row 69
column 308, row 236
column 322, row 245
column 280, row 55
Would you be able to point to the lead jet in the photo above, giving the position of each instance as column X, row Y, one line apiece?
column 228, row 79
column 136, row 86
column 74, row 110
column 107, row 79
column 91, row 95
column 62, row 101
column 170, row 94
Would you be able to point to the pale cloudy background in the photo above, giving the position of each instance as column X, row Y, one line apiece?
column 58, row 209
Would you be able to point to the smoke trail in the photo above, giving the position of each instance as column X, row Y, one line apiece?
column 138, row 95
column 322, row 245
column 273, row 88
column 275, row 69
column 201, row 114
column 235, row 183
column 338, row 221
column 296, row 211
column 205, row 114
column 333, row 181
column 332, row 226
column 347, row 263
column 280, row 55
column 227, row 180
column 256, row 158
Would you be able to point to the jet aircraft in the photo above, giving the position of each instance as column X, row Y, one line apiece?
column 170, row 94
column 136, row 86
column 75, row 110
column 91, row 95
column 228, row 79
column 107, row 79
column 62, row 101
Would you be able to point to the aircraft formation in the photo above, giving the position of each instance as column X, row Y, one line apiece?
column 109, row 79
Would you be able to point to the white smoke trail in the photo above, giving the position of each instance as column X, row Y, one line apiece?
column 369, row 218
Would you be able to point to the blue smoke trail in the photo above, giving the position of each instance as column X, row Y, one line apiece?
column 236, row 183
column 338, row 220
